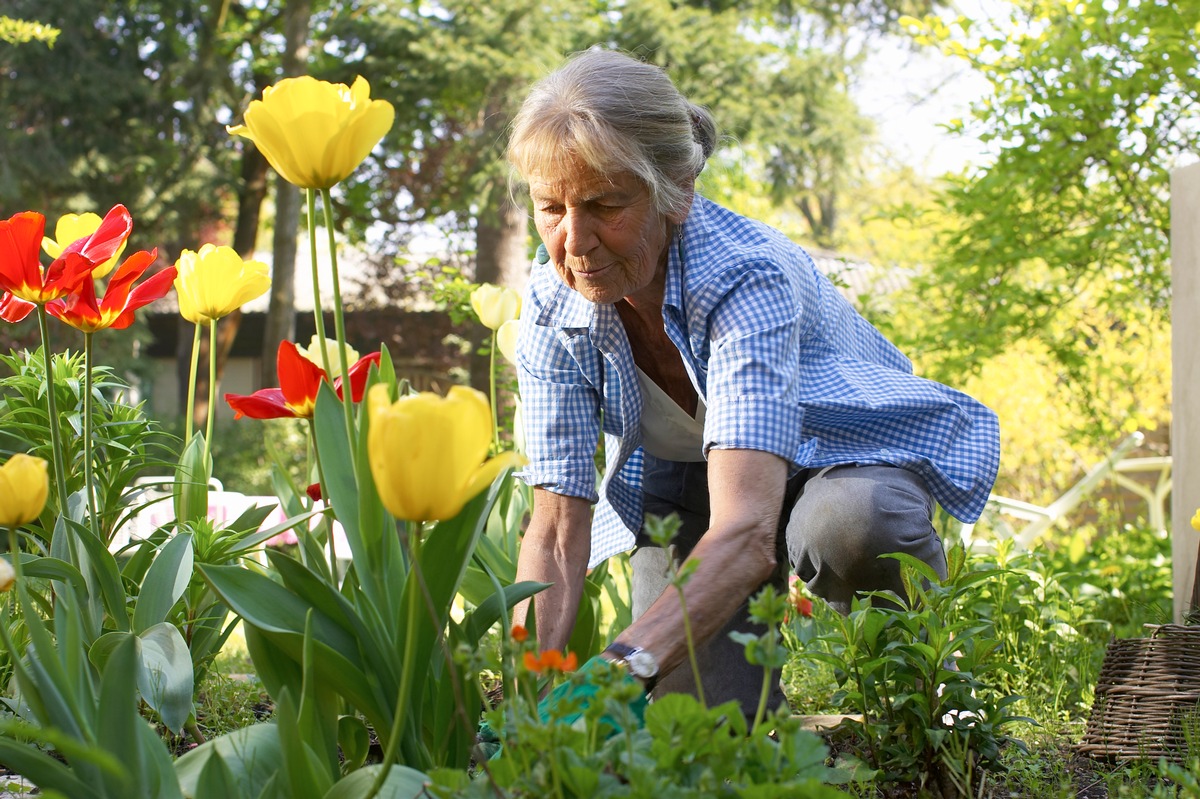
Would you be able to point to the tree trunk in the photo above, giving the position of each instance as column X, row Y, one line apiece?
column 281, row 311
column 500, row 258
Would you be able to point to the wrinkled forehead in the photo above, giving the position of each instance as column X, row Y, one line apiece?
column 576, row 182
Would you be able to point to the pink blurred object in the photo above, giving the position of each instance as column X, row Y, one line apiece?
column 223, row 507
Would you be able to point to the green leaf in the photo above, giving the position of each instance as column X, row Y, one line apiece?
column 329, row 425
column 165, row 675
column 190, row 489
column 104, row 567
column 117, row 718
column 268, row 605
column 480, row 620
column 216, row 779
column 47, row 773
column 306, row 779
column 53, row 569
column 252, row 754
column 354, row 739
column 401, row 783
column 166, row 580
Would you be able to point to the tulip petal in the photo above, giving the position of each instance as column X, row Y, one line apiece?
column 13, row 308
column 299, row 378
column 486, row 474
column 359, row 372
column 20, row 266
column 267, row 403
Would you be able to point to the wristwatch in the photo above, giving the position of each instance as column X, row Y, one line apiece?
column 641, row 664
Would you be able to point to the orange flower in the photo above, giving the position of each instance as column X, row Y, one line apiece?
column 519, row 633
column 551, row 661
column 798, row 600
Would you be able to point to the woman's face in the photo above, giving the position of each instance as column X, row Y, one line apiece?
column 604, row 237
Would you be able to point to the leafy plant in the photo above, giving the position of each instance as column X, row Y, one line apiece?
column 126, row 444
column 915, row 672
column 684, row 749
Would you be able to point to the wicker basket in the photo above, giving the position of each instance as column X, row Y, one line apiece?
column 1147, row 691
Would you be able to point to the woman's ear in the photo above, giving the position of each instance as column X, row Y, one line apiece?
column 680, row 216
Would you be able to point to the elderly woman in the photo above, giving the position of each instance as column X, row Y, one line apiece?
column 734, row 386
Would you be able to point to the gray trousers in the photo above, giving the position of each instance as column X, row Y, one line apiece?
column 834, row 525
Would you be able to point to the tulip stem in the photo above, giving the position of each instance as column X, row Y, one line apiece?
column 492, row 386
column 60, row 469
column 89, row 475
column 318, row 314
column 14, row 552
column 212, row 390
column 189, row 421
column 339, row 323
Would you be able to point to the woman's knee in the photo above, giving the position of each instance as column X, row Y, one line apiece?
column 846, row 518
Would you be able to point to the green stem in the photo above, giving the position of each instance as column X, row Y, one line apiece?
column 691, row 646
column 492, row 386
column 191, row 395
column 406, row 668
column 60, row 469
column 212, row 392
column 89, row 476
column 14, row 552
column 312, row 438
column 319, row 315
column 339, row 322
column 763, row 696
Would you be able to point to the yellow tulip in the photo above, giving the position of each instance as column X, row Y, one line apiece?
column 495, row 305
column 428, row 453
column 8, row 576
column 215, row 282
column 315, row 133
column 506, row 339
column 313, row 353
column 70, row 229
column 24, row 484
column 1196, row 520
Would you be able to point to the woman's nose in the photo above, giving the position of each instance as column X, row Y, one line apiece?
column 581, row 236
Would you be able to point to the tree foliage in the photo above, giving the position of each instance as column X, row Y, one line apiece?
column 1093, row 103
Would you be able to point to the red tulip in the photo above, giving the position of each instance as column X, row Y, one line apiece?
column 299, row 379
column 21, row 273
column 82, row 312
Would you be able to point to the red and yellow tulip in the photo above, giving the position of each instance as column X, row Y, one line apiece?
column 23, row 282
column 299, row 380
column 82, row 311
column 69, row 229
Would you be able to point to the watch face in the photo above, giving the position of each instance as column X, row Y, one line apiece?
column 642, row 664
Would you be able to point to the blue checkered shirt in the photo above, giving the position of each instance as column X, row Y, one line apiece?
column 782, row 361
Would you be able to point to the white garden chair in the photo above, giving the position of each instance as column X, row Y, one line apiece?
column 1038, row 519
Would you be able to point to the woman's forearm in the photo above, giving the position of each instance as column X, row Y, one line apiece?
column 555, row 550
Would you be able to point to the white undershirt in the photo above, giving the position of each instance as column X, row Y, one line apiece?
column 668, row 432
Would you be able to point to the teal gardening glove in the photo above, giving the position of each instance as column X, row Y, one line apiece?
column 568, row 702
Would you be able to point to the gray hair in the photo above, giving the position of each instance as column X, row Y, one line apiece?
column 615, row 114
